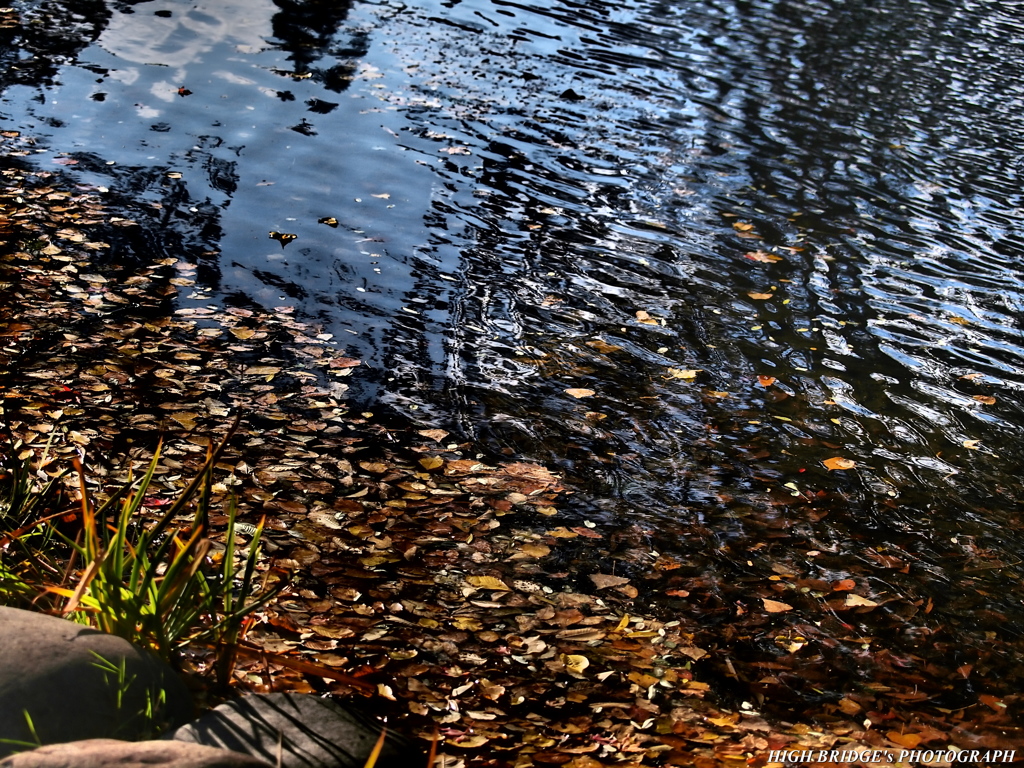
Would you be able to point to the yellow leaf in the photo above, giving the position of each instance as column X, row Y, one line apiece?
column 774, row 606
column 374, row 466
column 760, row 296
column 573, row 663
column 716, row 393
column 960, row 320
column 837, row 462
column 742, row 226
column 488, row 582
column 431, row 462
column 580, row 393
column 645, row 318
column 972, row 444
column 682, row 373
column 465, row 622
column 263, row 370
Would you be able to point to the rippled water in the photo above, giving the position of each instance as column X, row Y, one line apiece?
column 537, row 197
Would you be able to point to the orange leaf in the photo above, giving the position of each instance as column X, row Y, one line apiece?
column 763, row 256
column 760, row 296
column 765, row 381
column 843, row 585
column 986, row 399
column 837, row 462
column 908, row 740
column 578, row 393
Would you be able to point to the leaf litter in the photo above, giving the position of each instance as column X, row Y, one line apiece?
column 435, row 584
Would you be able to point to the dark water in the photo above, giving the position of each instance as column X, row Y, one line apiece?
column 514, row 182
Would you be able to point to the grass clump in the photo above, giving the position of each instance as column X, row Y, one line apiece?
column 150, row 580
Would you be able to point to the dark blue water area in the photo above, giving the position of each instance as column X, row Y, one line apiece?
column 765, row 234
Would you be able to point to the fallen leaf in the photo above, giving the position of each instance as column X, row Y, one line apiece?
column 574, row 663
column 762, row 256
column 434, row 434
column 431, row 462
column 908, row 740
column 843, row 585
column 766, row 381
column 682, row 373
column 774, row 606
column 282, row 237
column 855, row 601
column 986, row 399
column 837, row 462
column 604, row 581
column 580, row 393
column 645, row 318
column 760, row 296
column 972, row 444
column 488, row 582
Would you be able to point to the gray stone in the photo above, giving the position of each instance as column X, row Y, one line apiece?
column 51, row 671
column 307, row 732
column 111, row 753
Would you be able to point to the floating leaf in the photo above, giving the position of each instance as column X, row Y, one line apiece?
column 330, row 221
column 986, row 399
column 682, row 373
column 760, row 296
column 580, row 393
column 972, row 444
column 645, row 318
column 762, row 256
column 742, row 226
column 282, row 237
column 838, row 462
column 766, row 381
column 434, row 434
column 774, row 606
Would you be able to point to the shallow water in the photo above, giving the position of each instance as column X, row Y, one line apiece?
column 540, row 197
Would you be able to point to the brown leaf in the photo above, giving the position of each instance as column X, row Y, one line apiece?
column 986, row 399
column 434, row 434
column 774, row 606
column 604, row 581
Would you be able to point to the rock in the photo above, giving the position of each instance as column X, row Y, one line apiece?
column 310, row 732
column 51, row 670
column 111, row 753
